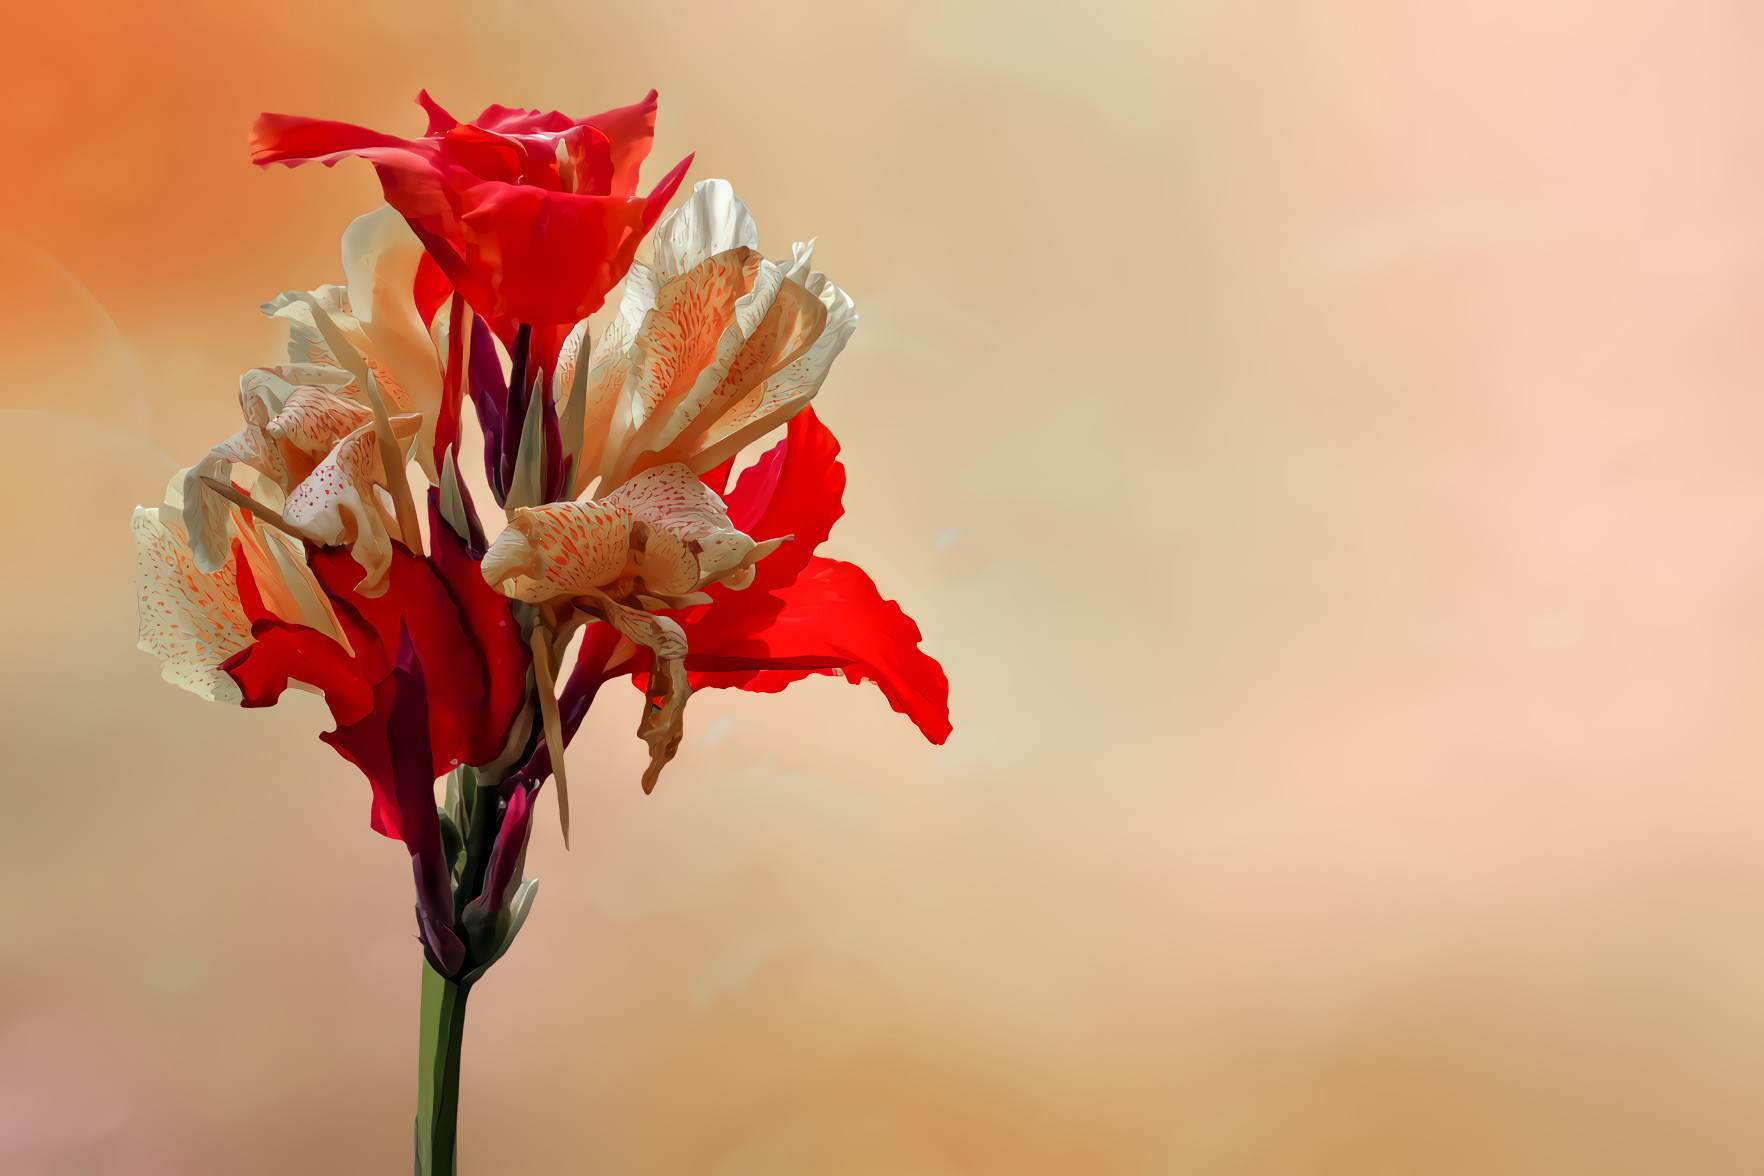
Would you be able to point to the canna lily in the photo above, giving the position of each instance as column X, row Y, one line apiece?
column 438, row 649
column 712, row 346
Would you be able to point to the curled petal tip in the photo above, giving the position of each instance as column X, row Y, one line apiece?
column 509, row 556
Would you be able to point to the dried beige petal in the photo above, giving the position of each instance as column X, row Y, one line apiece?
column 662, row 724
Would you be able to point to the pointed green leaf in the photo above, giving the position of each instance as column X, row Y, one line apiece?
column 527, row 488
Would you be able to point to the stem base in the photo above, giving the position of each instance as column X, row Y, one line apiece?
column 443, row 1027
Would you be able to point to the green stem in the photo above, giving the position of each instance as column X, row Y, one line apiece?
column 443, row 1026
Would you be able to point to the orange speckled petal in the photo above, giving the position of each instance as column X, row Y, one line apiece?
column 559, row 549
column 191, row 620
column 314, row 419
column 699, row 322
column 785, row 392
column 689, row 542
column 790, row 327
column 341, row 502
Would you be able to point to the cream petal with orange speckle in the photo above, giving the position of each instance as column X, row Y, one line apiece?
column 191, row 620
column 713, row 346
column 792, row 326
column 700, row 321
column 785, row 392
column 560, row 549
column 687, row 541
column 342, row 501
column 314, row 419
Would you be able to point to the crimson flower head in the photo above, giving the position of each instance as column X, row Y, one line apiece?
column 440, row 649
column 531, row 216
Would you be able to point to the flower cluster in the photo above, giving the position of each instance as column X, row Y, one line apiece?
column 295, row 554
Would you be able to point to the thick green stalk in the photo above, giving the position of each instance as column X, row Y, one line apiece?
column 443, row 1026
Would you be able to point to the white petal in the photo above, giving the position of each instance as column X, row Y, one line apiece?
column 712, row 220
column 380, row 259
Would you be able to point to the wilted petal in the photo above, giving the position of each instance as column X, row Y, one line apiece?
column 662, row 723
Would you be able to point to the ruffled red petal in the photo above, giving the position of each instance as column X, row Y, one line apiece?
column 830, row 619
column 802, row 614
column 281, row 653
column 486, row 200
column 468, row 642
column 796, row 488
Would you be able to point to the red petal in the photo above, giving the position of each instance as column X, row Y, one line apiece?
column 630, row 131
column 416, row 600
column 796, row 488
column 280, row 652
column 802, row 614
column 831, row 619
column 293, row 140
column 489, row 621
column 440, row 122
column 656, row 202
column 555, row 254
column 483, row 200
column 432, row 289
column 391, row 745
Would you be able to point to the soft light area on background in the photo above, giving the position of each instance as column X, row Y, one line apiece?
column 1322, row 441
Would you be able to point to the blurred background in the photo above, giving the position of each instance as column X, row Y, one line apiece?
column 1320, row 439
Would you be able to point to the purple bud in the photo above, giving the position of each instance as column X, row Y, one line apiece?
column 511, row 839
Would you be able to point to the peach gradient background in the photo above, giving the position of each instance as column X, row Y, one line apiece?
column 1347, row 416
